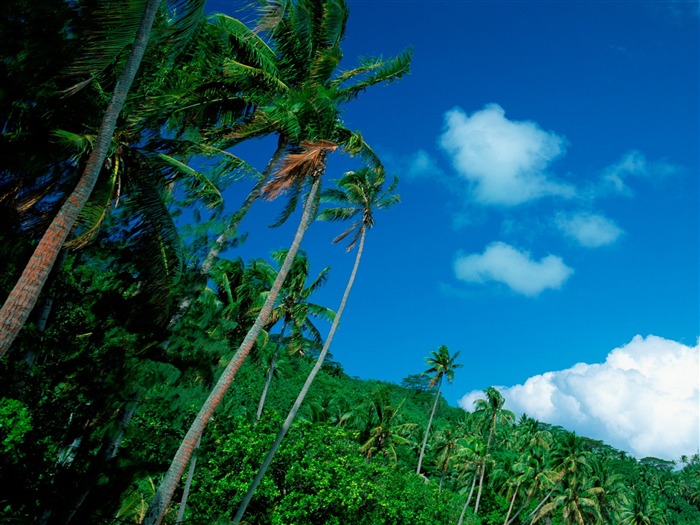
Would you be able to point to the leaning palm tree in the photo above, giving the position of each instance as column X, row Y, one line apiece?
column 442, row 365
column 308, row 164
column 25, row 294
column 357, row 196
column 309, row 114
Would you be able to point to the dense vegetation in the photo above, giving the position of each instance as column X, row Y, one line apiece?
column 155, row 369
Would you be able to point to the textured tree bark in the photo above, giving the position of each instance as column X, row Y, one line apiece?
column 25, row 294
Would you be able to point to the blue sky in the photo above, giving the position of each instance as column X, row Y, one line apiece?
column 549, row 230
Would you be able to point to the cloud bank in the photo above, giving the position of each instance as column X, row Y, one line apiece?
column 588, row 229
column 505, row 160
column 643, row 399
column 502, row 263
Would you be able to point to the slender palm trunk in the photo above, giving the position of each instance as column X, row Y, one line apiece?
column 483, row 464
column 166, row 489
column 512, row 502
column 25, row 294
column 271, row 372
column 305, row 389
column 188, row 484
column 469, row 498
column 522, row 507
column 235, row 221
column 427, row 430
column 541, row 503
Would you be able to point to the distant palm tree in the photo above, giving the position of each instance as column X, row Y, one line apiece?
column 492, row 411
column 442, row 365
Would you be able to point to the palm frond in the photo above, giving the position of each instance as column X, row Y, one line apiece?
column 207, row 189
column 379, row 71
column 297, row 166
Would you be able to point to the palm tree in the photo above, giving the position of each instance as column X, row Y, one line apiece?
column 308, row 164
column 309, row 114
column 384, row 431
column 441, row 364
column 642, row 509
column 492, row 411
column 306, row 35
column 294, row 309
column 25, row 294
column 570, row 471
column 357, row 196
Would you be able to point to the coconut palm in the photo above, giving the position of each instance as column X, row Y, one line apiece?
column 310, row 115
column 442, row 365
column 129, row 26
column 279, row 80
column 357, row 196
column 25, row 294
column 492, row 413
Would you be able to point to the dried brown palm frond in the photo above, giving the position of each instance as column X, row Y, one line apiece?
column 296, row 166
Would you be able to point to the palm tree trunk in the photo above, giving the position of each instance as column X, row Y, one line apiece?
column 270, row 372
column 512, row 502
column 235, row 221
column 483, row 464
column 481, row 486
column 427, row 430
column 522, row 507
column 166, row 489
column 469, row 498
column 541, row 503
column 25, row 294
column 305, row 389
column 188, row 484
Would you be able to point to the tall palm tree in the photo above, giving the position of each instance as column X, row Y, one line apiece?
column 442, row 365
column 309, row 114
column 18, row 305
column 357, row 196
column 492, row 411
column 294, row 309
column 310, row 163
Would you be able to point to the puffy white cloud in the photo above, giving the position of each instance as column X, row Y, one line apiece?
column 505, row 160
column 588, row 229
column 643, row 399
column 633, row 164
column 502, row 263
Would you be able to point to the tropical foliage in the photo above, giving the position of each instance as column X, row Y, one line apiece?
column 125, row 366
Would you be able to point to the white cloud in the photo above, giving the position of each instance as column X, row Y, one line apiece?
column 633, row 164
column 505, row 160
column 588, row 229
column 502, row 263
column 643, row 399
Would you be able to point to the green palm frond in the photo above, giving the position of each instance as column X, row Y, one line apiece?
column 114, row 26
column 247, row 41
column 181, row 19
column 377, row 70
column 207, row 191
column 103, row 197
